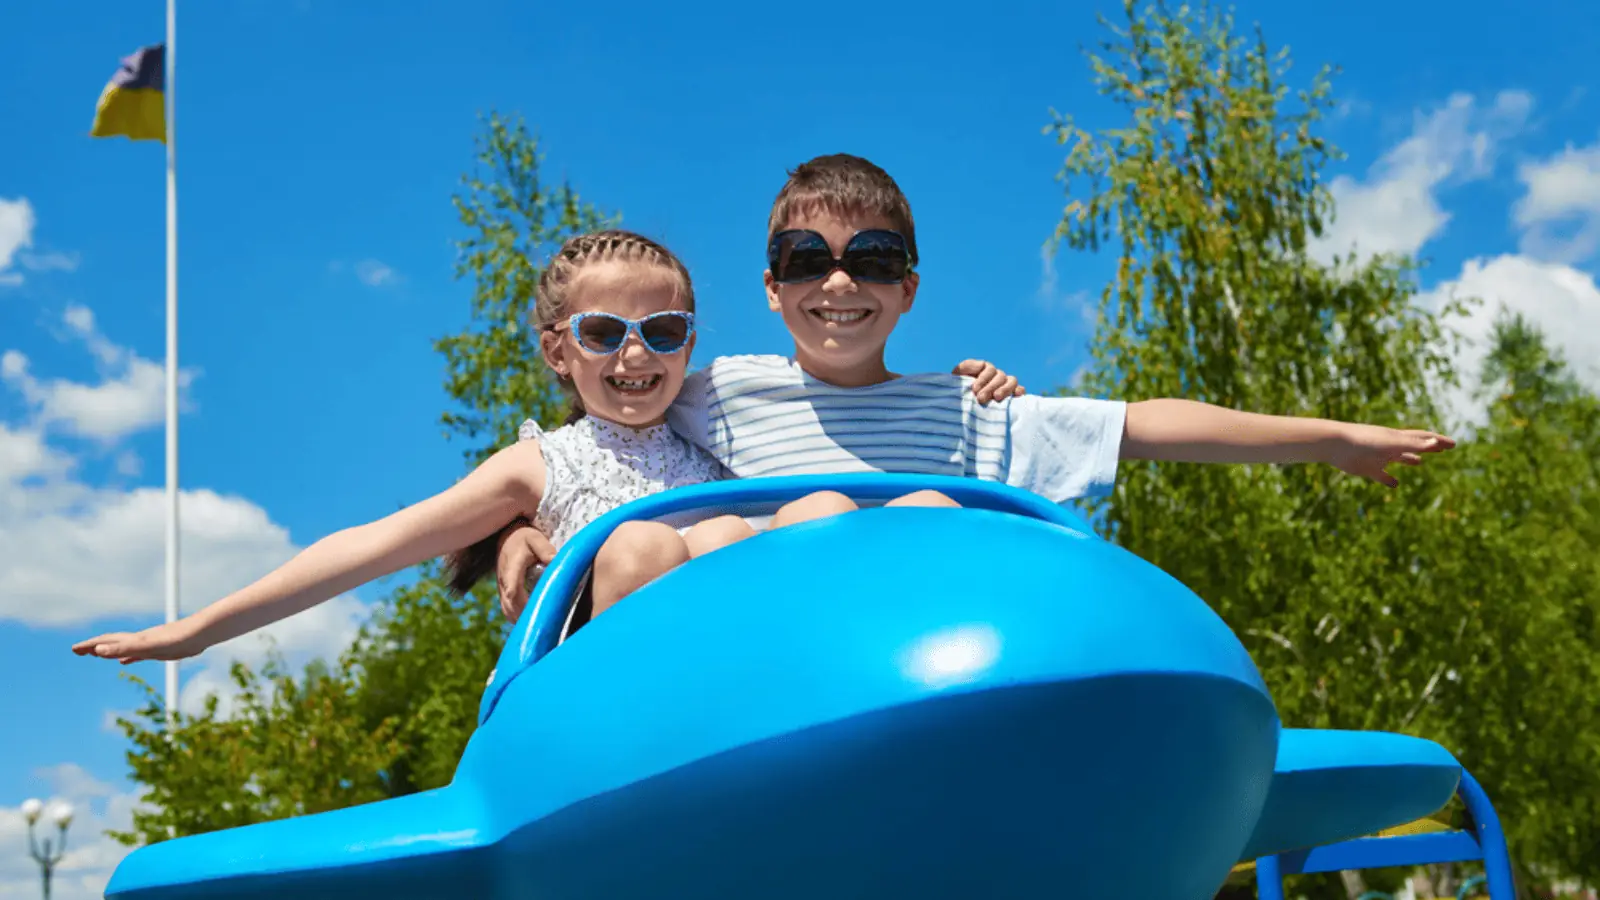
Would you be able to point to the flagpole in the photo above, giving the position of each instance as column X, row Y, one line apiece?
column 169, row 93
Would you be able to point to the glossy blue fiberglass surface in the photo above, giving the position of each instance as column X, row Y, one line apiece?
column 540, row 627
column 987, row 701
column 1335, row 785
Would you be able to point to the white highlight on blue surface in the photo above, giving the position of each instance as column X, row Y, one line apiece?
column 954, row 655
column 463, row 837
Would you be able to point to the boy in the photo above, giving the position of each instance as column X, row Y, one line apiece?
column 841, row 272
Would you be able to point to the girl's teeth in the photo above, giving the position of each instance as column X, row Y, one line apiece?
column 634, row 384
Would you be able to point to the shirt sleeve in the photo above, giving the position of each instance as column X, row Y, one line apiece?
column 558, row 477
column 1063, row 448
column 690, row 414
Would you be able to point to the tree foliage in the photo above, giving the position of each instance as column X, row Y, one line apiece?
column 392, row 715
column 1458, row 607
column 514, row 222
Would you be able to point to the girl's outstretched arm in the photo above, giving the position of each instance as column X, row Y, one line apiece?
column 507, row 485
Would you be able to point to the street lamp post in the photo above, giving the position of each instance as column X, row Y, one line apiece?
column 46, row 853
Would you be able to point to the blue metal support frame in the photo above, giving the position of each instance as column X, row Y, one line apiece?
column 1482, row 840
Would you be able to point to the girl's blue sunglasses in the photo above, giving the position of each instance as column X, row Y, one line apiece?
column 603, row 333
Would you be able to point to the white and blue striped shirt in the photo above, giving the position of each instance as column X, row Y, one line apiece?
column 763, row 415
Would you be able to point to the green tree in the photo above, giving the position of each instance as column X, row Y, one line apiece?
column 1365, row 608
column 1521, row 521
column 514, row 222
column 291, row 746
column 394, row 713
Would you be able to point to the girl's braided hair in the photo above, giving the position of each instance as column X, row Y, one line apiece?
column 553, row 294
column 552, row 298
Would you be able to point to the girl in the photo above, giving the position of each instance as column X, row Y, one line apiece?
column 616, row 317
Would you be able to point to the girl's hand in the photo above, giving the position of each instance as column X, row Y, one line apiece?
column 503, row 487
column 521, row 549
column 989, row 382
column 174, row 640
column 1365, row 450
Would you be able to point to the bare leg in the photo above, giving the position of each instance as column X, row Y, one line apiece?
column 633, row 556
column 820, row 505
column 714, row 534
column 923, row 498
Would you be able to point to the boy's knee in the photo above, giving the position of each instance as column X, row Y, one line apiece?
column 819, row 505
column 923, row 498
column 714, row 534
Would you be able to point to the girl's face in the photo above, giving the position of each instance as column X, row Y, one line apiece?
column 634, row 385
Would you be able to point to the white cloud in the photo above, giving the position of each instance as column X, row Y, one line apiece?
column 53, row 261
column 376, row 274
column 1079, row 307
column 16, row 234
column 17, row 221
column 1394, row 209
column 322, row 632
column 130, row 398
column 72, row 553
column 90, row 855
column 1562, row 301
column 1559, row 214
column 129, row 464
column 1049, row 298
column 25, row 455
column 1048, row 281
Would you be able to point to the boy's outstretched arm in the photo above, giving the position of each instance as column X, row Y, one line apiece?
column 505, row 486
column 1187, row 431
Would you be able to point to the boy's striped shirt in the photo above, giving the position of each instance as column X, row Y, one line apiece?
column 763, row 416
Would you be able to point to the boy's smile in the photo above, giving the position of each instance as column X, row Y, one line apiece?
column 836, row 315
column 841, row 317
column 840, row 325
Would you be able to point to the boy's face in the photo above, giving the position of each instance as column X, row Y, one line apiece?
column 840, row 325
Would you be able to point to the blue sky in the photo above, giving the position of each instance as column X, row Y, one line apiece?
column 320, row 143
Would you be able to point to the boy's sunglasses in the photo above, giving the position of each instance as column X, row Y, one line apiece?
column 877, row 256
column 603, row 333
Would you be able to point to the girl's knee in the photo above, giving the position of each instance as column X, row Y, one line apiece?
column 714, row 534
column 923, row 498
column 636, row 554
column 642, row 546
column 819, row 505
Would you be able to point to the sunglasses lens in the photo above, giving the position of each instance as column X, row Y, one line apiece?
column 665, row 333
column 801, row 256
column 876, row 256
column 602, row 334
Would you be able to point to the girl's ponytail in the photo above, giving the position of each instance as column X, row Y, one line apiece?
column 576, row 410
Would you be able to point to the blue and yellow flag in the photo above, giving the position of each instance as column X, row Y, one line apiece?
column 132, row 105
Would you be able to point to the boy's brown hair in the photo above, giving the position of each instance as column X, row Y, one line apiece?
column 844, row 185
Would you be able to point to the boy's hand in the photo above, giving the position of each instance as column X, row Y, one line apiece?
column 990, row 383
column 173, row 640
column 1365, row 450
column 521, row 549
